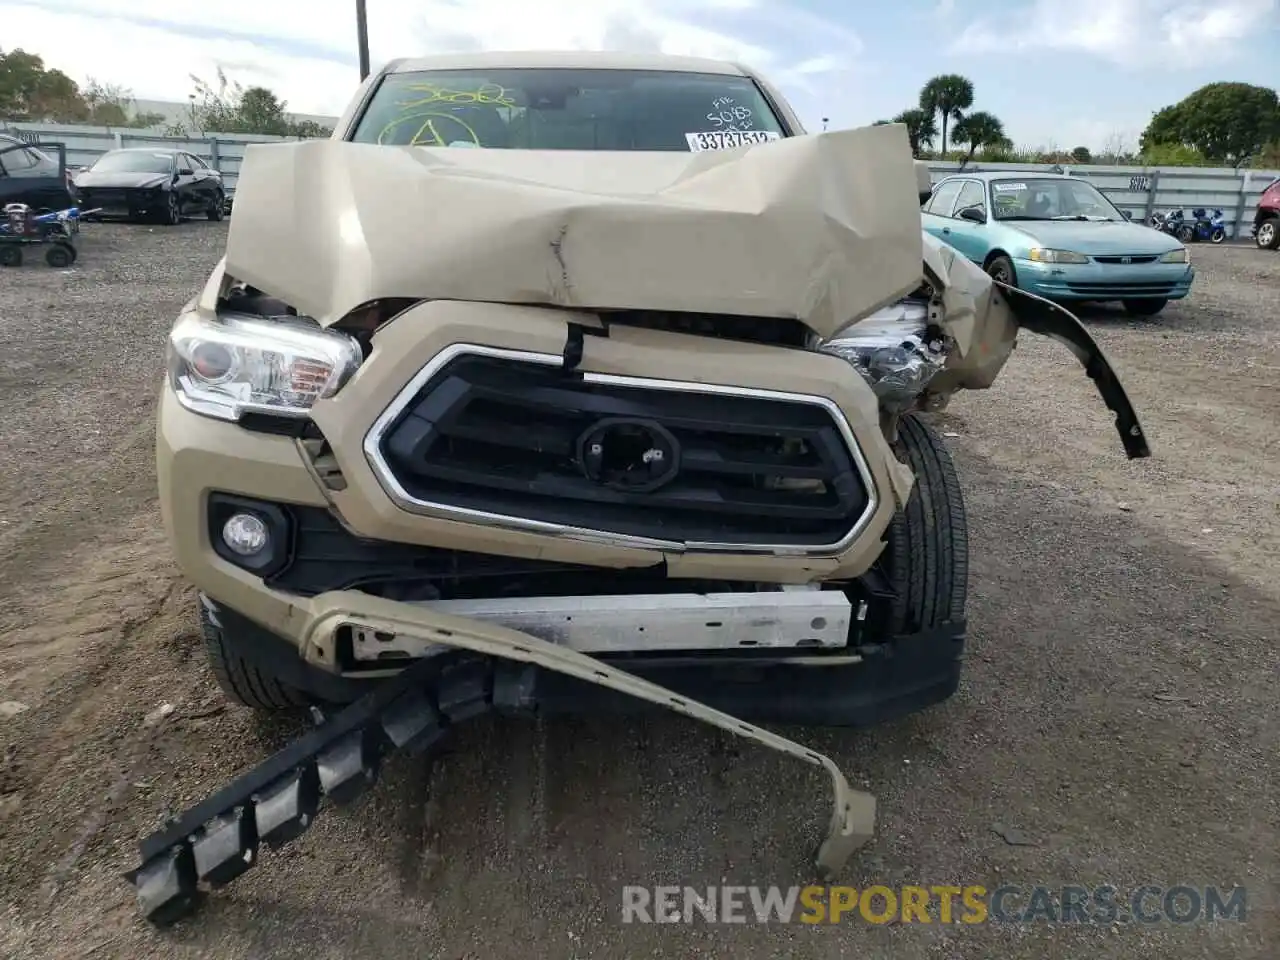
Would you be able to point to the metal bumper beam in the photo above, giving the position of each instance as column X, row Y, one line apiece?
column 220, row 838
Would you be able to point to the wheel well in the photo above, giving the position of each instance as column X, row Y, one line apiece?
column 992, row 255
column 1263, row 215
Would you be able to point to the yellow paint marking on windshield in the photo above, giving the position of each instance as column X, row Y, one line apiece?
column 428, row 134
column 487, row 93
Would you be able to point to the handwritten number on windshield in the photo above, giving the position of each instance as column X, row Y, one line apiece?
column 431, row 124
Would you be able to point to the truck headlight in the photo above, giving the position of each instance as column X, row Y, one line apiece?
column 1176, row 256
column 895, row 350
column 240, row 364
column 1043, row 255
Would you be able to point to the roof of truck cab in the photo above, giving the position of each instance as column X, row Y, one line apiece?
column 567, row 59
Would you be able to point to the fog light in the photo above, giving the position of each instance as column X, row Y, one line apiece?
column 245, row 534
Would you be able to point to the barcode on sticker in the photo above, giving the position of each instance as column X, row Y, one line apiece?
column 728, row 139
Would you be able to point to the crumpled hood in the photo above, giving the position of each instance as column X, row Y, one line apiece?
column 822, row 228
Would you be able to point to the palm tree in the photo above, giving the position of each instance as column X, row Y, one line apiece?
column 920, row 128
column 950, row 95
column 979, row 129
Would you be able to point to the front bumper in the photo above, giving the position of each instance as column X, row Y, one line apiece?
column 484, row 667
column 869, row 683
column 122, row 202
column 197, row 456
column 306, row 628
column 1099, row 281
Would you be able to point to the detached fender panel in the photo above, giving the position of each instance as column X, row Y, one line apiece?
column 1051, row 320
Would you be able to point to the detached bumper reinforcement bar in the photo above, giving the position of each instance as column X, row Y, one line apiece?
column 220, row 838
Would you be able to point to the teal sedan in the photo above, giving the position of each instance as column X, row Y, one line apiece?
column 1058, row 237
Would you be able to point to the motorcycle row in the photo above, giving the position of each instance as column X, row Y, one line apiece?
column 1200, row 226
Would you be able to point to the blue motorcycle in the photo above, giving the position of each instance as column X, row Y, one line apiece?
column 1205, row 227
column 1200, row 227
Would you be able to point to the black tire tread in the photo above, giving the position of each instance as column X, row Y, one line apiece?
column 927, row 555
column 1013, row 271
column 242, row 681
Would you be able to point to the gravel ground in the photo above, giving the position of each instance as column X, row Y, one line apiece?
column 1118, row 708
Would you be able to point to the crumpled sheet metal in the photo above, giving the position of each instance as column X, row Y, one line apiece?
column 980, row 322
column 820, row 228
column 888, row 347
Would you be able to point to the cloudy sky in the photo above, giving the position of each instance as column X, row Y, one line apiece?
column 1058, row 72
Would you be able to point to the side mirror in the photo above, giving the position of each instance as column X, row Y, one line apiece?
column 974, row 214
column 185, row 171
column 1126, row 214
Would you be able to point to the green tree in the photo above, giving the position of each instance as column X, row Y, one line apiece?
column 1081, row 155
column 230, row 108
column 109, row 105
column 1226, row 122
column 920, row 128
column 308, row 129
column 28, row 91
column 979, row 129
column 948, row 94
column 1173, row 155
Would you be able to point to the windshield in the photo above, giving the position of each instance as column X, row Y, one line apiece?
column 1049, row 199
column 559, row 109
column 133, row 161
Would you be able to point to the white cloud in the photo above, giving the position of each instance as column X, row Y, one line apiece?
column 1135, row 32
column 153, row 46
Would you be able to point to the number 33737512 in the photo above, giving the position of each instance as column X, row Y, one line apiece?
column 727, row 139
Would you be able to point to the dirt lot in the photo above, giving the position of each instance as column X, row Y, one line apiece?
column 1119, row 707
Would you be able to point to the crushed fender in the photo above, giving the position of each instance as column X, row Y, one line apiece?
column 220, row 838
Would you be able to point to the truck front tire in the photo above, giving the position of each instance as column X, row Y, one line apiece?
column 242, row 681
column 926, row 555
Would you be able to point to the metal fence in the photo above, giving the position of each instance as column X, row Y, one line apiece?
column 1139, row 190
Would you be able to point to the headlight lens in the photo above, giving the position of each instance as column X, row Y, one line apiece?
column 238, row 364
column 1042, row 255
column 1176, row 256
column 893, row 351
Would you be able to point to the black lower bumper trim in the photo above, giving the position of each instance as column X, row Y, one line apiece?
column 220, row 838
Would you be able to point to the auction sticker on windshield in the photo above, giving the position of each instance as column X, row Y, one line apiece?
column 728, row 139
column 1009, row 187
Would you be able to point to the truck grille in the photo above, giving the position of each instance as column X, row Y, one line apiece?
column 509, row 441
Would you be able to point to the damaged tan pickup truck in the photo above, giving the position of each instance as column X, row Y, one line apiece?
column 571, row 382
